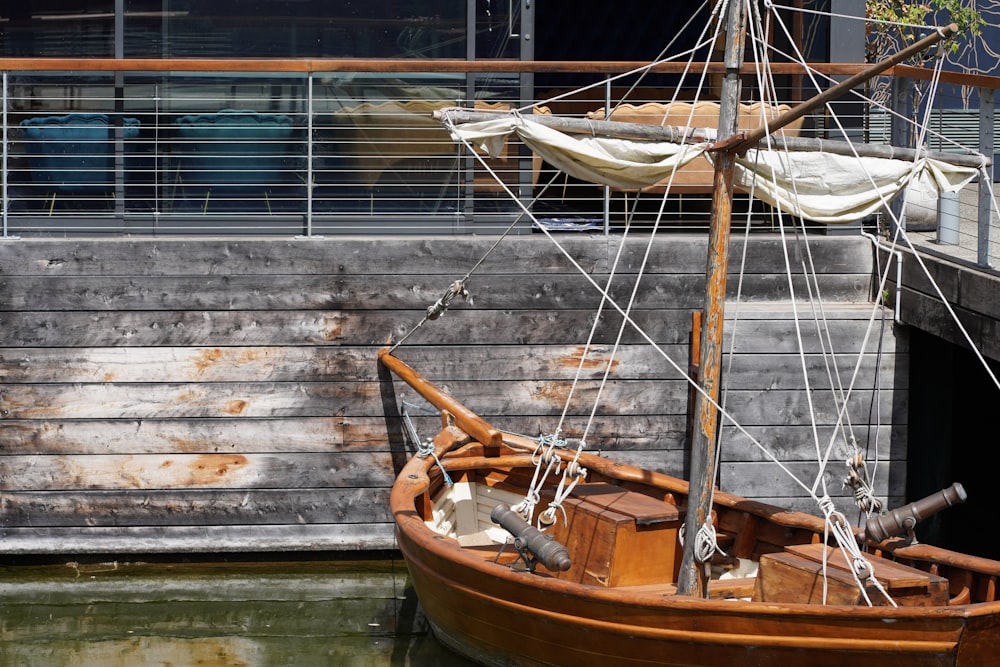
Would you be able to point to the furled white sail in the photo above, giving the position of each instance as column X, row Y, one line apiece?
column 830, row 188
column 620, row 163
column 819, row 186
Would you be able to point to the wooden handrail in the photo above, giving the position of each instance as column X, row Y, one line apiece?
column 450, row 65
column 403, row 65
column 304, row 65
column 958, row 78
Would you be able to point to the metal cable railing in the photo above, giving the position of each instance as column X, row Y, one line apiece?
column 314, row 147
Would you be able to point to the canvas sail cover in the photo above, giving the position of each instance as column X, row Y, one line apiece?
column 818, row 186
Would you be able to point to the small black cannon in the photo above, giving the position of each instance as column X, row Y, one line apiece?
column 528, row 539
column 902, row 520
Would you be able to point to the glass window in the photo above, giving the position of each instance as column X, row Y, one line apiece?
column 498, row 29
column 57, row 29
column 295, row 29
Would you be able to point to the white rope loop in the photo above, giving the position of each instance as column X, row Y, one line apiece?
column 572, row 472
column 706, row 542
column 544, row 453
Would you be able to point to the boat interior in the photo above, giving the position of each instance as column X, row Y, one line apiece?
column 624, row 533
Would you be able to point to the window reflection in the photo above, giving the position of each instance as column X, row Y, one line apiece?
column 262, row 28
column 57, row 29
column 295, row 29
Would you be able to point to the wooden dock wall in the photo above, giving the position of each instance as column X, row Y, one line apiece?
column 212, row 395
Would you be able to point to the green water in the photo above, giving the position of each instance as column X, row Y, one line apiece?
column 234, row 615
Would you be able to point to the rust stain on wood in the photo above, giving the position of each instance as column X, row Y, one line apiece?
column 236, row 407
column 592, row 361
column 332, row 329
column 209, row 469
column 554, row 393
column 205, row 359
column 249, row 356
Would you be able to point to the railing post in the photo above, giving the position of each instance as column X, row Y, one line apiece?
column 118, row 126
column 309, row 154
column 466, row 162
column 526, row 82
column 901, row 134
column 987, row 110
column 3, row 168
column 607, row 189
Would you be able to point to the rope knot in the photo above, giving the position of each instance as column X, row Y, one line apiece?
column 863, row 568
column 438, row 308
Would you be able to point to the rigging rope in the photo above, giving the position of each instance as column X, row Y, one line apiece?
column 548, row 461
column 460, row 286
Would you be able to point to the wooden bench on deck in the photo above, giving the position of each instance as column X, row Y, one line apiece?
column 796, row 575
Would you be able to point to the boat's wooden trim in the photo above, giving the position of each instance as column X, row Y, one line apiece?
column 465, row 419
column 721, row 637
column 928, row 553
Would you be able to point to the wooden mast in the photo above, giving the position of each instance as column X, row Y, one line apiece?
column 693, row 575
column 693, row 578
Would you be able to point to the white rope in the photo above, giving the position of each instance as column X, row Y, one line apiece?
column 434, row 311
column 645, row 69
column 425, row 448
column 842, row 412
column 549, row 515
column 628, row 320
column 545, row 452
column 762, row 41
column 575, row 474
column 861, row 568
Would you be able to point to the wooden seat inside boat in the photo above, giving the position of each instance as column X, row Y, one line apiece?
column 796, row 575
column 618, row 537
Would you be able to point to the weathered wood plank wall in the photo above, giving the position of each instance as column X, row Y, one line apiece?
column 973, row 294
column 222, row 395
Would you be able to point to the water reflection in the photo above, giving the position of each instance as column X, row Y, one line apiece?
column 246, row 615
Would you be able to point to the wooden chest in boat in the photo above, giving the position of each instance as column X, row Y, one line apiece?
column 618, row 537
column 796, row 575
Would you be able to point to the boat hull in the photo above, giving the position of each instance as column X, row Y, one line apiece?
column 496, row 615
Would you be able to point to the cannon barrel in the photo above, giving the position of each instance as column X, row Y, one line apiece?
column 552, row 555
column 903, row 519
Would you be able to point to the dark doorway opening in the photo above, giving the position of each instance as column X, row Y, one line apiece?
column 954, row 436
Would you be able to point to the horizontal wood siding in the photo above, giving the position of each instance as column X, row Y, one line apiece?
column 973, row 295
column 173, row 395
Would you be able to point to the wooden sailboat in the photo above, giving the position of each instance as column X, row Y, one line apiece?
column 609, row 582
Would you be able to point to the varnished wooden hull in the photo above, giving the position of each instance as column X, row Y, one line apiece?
column 499, row 616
